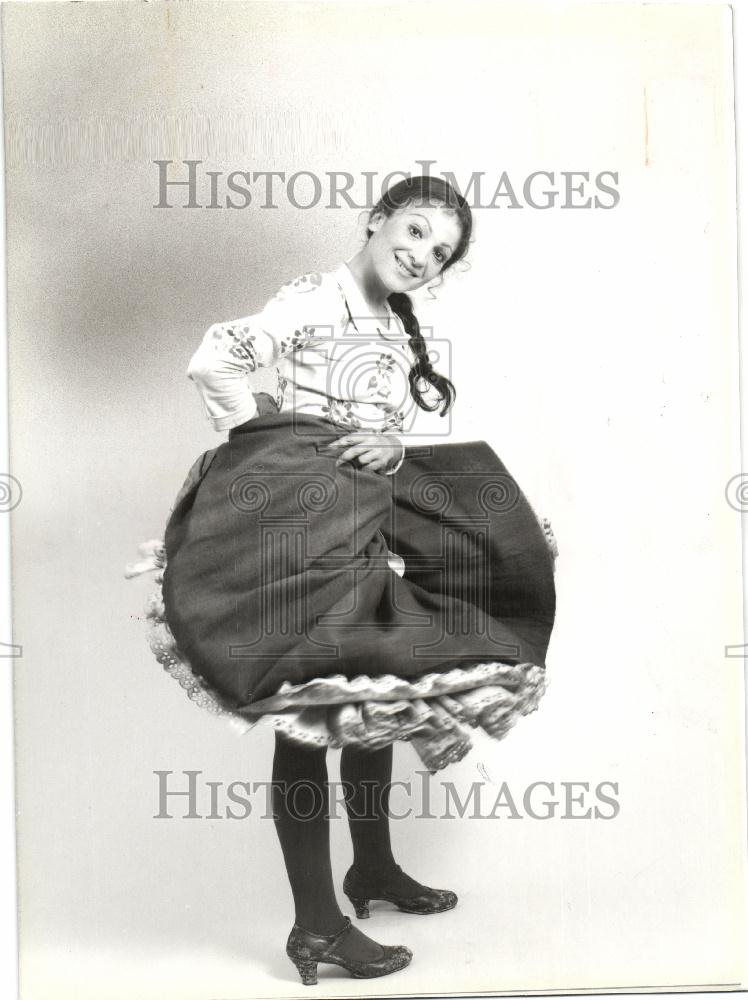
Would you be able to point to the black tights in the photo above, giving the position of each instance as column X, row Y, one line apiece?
column 301, row 807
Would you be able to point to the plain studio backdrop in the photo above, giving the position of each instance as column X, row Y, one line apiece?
column 595, row 350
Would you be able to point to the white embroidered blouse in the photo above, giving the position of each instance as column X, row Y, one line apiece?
column 333, row 358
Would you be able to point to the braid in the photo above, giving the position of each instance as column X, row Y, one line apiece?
column 422, row 369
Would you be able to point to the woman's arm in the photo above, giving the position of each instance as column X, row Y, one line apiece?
column 220, row 373
column 229, row 352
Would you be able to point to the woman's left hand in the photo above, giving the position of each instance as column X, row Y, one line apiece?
column 373, row 451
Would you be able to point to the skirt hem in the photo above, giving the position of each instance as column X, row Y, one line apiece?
column 432, row 711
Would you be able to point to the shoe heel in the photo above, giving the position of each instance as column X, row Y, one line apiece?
column 307, row 968
column 361, row 906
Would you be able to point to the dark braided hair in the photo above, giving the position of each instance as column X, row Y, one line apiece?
column 436, row 191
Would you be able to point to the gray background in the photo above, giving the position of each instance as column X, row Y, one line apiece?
column 595, row 351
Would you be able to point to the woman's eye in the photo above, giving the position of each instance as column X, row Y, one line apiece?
column 414, row 230
column 439, row 255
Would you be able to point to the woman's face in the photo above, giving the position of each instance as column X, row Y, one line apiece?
column 411, row 246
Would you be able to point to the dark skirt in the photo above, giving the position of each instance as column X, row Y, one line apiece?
column 277, row 562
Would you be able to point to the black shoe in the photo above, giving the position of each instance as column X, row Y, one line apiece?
column 360, row 889
column 306, row 949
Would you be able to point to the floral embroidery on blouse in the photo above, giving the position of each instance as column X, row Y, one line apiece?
column 306, row 283
column 380, row 381
column 295, row 341
column 242, row 342
column 339, row 410
column 394, row 421
column 242, row 347
column 281, row 391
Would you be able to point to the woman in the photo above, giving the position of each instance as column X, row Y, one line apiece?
column 317, row 574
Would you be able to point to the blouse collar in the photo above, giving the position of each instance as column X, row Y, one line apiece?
column 361, row 315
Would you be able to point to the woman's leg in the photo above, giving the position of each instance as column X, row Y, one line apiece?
column 301, row 810
column 300, row 796
column 366, row 776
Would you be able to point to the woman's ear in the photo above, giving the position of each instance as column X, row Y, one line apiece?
column 376, row 221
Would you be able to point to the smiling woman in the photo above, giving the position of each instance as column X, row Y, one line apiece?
column 416, row 243
column 352, row 610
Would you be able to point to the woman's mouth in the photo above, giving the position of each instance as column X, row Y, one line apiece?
column 405, row 270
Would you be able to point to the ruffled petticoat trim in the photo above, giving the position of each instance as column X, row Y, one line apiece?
column 432, row 712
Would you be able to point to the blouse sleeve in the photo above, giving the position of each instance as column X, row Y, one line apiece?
column 230, row 351
column 401, row 459
column 394, row 424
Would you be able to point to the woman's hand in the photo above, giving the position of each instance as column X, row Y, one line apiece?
column 373, row 451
